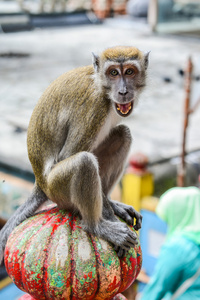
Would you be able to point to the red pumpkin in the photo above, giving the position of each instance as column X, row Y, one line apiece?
column 50, row 257
column 29, row 297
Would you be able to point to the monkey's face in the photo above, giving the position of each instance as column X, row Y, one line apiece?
column 121, row 73
column 123, row 86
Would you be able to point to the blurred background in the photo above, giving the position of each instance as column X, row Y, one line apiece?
column 41, row 39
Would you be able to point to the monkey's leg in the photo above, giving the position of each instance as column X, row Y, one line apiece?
column 25, row 211
column 74, row 183
column 112, row 155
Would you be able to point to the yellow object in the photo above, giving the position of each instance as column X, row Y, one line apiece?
column 149, row 203
column 6, row 281
column 135, row 187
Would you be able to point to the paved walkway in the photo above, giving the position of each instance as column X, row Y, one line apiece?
column 156, row 124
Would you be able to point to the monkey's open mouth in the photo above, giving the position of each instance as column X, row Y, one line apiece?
column 124, row 109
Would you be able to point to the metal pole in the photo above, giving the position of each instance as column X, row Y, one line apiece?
column 188, row 80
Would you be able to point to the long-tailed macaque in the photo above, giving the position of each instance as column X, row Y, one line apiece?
column 78, row 150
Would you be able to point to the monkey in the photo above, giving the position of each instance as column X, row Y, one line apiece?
column 78, row 147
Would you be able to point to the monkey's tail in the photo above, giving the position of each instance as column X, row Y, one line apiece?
column 25, row 211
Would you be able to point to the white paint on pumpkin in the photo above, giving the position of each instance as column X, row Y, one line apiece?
column 104, row 244
column 62, row 249
column 84, row 248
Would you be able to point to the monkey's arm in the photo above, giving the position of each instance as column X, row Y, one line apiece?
column 127, row 213
column 116, row 147
column 25, row 211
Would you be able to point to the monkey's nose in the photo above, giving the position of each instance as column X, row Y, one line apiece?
column 123, row 93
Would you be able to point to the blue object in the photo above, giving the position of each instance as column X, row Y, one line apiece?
column 152, row 236
column 11, row 292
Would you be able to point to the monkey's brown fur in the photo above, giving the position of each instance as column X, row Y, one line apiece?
column 117, row 52
column 52, row 104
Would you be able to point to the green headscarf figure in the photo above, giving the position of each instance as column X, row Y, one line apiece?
column 177, row 272
column 180, row 209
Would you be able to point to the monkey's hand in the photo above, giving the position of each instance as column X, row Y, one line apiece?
column 127, row 213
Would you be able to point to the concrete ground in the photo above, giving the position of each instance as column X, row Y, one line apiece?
column 156, row 124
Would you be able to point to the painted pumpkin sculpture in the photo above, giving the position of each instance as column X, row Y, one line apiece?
column 50, row 257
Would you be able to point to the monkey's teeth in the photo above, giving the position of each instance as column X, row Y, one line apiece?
column 124, row 109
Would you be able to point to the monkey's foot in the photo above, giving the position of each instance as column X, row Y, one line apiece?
column 127, row 213
column 117, row 233
column 120, row 251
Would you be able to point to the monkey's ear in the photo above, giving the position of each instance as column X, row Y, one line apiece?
column 95, row 60
column 146, row 59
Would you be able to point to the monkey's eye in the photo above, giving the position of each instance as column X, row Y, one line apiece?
column 114, row 72
column 129, row 72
